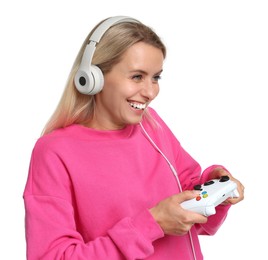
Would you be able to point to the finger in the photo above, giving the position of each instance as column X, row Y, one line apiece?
column 187, row 195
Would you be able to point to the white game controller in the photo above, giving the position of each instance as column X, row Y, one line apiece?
column 212, row 193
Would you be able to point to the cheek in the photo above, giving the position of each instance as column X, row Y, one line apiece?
column 112, row 85
column 110, row 95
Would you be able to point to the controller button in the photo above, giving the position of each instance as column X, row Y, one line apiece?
column 198, row 198
column 198, row 187
column 205, row 195
column 224, row 178
column 208, row 183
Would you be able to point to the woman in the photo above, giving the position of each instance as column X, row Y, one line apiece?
column 107, row 176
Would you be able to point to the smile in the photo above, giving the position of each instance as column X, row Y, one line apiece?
column 138, row 106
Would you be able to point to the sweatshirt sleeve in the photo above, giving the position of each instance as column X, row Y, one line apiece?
column 51, row 234
column 50, row 220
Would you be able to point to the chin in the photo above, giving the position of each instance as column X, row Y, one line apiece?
column 134, row 118
column 135, row 121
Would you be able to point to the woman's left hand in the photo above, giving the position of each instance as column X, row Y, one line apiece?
column 217, row 173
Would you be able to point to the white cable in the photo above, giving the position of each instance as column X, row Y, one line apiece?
column 175, row 175
column 169, row 163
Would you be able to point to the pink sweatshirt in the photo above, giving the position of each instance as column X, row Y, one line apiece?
column 88, row 193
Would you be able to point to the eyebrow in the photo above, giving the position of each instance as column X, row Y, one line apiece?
column 144, row 72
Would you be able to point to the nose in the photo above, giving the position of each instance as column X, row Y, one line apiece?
column 150, row 90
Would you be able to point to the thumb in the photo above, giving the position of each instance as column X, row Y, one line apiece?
column 187, row 195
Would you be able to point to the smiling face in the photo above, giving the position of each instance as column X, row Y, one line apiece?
column 128, row 88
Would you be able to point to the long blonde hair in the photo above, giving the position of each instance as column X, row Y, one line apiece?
column 75, row 107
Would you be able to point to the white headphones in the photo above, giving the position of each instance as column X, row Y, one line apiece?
column 89, row 78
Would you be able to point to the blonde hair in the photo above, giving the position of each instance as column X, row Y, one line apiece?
column 75, row 107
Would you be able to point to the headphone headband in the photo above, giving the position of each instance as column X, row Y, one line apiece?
column 105, row 25
column 89, row 78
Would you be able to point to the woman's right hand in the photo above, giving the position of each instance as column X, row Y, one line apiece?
column 172, row 218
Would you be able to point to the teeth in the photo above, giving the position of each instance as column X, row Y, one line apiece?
column 138, row 106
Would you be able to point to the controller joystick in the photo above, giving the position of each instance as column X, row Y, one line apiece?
column 212, row 193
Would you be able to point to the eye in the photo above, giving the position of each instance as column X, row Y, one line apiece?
column 156, row 78
column 137, row 77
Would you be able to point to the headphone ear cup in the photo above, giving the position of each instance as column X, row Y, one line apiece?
column 89, row 79
column 89, row 82
column 98, row 80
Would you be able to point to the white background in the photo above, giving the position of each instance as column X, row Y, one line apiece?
column 213, row 96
